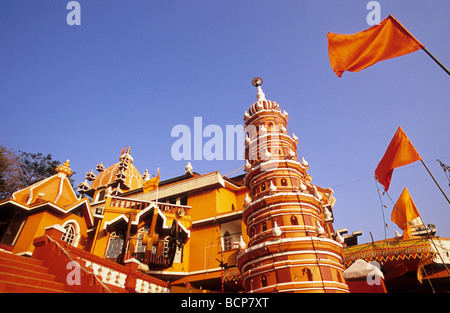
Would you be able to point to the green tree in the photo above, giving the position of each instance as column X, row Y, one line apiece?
column 22, row 169
column 36, row 167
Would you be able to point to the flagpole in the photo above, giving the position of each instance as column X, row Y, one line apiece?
column 157, row 188
column 432, row 242
column 437, row 61
column 435, row 181
column 426, row 229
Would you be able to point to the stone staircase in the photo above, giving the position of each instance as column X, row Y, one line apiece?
column 47, row 271
column 20, row 274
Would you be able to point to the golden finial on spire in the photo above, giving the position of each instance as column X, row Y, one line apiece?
column 64, row 169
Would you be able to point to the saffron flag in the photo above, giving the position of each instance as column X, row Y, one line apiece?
column 399, row 152
column 404, row 212
column 151, row 184
column 355, row 52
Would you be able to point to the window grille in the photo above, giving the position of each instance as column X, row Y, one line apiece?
column 70, row 234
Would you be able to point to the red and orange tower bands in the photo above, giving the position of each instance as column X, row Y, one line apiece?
column 292, row 245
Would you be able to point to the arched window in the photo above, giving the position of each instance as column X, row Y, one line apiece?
column 227, row 244
column 263, row 186
column 284, row 182
column 307, row 272
column 70, row 234
column 101, row 195
column 294, row 220
column 264, row 226
column 264, row 281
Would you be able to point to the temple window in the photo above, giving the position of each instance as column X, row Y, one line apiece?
column 294, row 220
column 264, row 226
column 70, row 234
column 264, row 281
column 231, row 234
column 177, row 258
column 115, row 245
column 184, row 200
column 101, row 195
column 140, row 247
column 284, row 182
column 227, row 244
column 307, row 272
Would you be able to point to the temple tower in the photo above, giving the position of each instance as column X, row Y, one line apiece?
column 292, row 245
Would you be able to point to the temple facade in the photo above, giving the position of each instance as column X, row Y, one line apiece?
column 269, row 229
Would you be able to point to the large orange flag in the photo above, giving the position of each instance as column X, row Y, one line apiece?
column 355, row 52
column 399, row 152
column 404, row 212
column 151, row 184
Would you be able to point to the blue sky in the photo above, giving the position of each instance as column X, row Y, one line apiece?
column 134, row 69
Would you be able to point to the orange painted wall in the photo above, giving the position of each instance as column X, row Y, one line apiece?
column 205, row 242
column 35, row 226
column 102, row 236
column 203, row 205
column 29, row 231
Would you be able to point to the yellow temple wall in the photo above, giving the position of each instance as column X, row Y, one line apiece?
column 205, row 242
column 204, row 247
column 203, row 205
column 225, row 201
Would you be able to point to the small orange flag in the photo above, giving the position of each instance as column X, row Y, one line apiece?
column 404, row 212
column 355, row 52
column 399, row 152
column 151, row 184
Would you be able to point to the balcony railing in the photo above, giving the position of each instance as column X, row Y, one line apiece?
column 130, row 203
column 231, row 241
column 157, row 258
